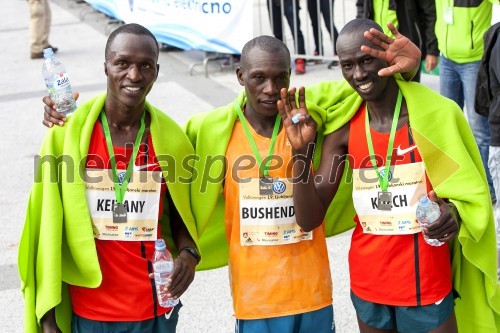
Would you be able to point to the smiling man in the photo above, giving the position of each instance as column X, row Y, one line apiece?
column 401, row 140
column 89, row 236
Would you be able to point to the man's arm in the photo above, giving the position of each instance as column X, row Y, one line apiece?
column 185, row 263
column 312, row 193
column 48, row 322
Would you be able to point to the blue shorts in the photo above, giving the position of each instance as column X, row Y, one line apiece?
column 319, row 321
column 412, row 319
column 158, row 324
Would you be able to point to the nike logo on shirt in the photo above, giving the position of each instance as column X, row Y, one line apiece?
column 401, row 152
column 145, row 166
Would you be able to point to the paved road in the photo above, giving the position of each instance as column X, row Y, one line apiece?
column 207, row 304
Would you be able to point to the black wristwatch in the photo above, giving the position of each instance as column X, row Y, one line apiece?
column 192, row 251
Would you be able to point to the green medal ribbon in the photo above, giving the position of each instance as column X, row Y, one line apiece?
column 120, row 189
column 384, row 181
column 255, row 150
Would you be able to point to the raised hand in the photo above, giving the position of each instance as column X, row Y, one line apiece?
column 301, row 134
column 400, row 53
column 445, row 227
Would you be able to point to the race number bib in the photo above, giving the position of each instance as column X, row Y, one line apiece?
column 407, row 183
column 267, row 213
column 141, row 202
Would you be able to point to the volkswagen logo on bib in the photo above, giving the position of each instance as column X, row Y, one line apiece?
column 121, row 177
column 279, row 187
column 382, row 174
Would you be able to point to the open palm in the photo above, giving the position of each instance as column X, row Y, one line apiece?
column 302, row 133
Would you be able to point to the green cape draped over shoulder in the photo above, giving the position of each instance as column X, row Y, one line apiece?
column 453, row 165
column 57, row 245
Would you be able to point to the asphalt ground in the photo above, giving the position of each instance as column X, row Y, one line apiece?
column 81, row 34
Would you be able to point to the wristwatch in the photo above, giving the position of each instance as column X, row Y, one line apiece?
column 192, row 251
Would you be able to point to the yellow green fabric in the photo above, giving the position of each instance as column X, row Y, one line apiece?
column 455, row 170
column 57, row 246
column 383, row 13
column 462, row 41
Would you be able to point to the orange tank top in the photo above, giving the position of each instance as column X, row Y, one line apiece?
column 399, row 270
column 271, row 280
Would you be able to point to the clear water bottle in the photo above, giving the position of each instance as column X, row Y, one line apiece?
column 163, row 266
column 427, row 212
column 57, row 83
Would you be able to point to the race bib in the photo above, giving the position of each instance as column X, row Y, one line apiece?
column 267, row 213
column 141, row 202
column 406, row 183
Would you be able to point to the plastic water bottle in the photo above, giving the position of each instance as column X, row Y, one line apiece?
column 57, row 83
column 427, row 212
column 163, row 266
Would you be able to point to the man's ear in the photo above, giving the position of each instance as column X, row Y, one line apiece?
column 105, row 69
column 157, row 70
column 239, row 76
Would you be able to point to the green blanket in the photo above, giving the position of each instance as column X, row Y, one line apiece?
column 455, row 170
column 57, row 246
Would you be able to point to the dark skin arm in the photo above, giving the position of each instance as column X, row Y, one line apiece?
column 48, row 322
column 185, row 263
column 312, row 193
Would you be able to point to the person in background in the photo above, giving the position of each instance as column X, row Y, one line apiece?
column 460, row 27
column 415, row 19
column 291, row 11
column 325, row 7
column 487, row 103
column 40, row 19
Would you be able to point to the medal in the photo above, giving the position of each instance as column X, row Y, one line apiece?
column 265, row 186
column 119, row 213
column 384, row 199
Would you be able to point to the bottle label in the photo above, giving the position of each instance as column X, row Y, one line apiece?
column 163, row 266
column 61, row 82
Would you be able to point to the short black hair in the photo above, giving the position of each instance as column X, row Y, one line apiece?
column 130, row 28
column 359, row 25
column 265, row 43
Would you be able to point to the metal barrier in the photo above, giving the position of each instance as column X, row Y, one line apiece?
column 325, row 14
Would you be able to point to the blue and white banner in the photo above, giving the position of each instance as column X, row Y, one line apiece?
column 210, row 25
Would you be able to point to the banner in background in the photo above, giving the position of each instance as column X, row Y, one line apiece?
column 210, row 25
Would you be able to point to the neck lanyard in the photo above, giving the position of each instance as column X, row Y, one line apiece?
column 384, row 179
column 264, row 169
column 121, row 188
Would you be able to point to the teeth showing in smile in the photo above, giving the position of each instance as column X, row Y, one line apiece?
column 366, row 86
column 133, row 88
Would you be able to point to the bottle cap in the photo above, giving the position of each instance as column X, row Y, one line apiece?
column 48, row 53
column 160, row 244
column 424, row 200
